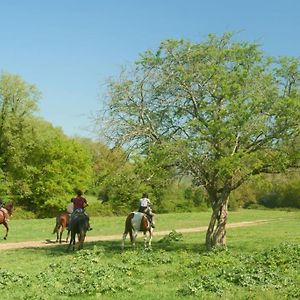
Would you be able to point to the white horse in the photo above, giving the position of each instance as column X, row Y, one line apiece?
column 137, row 221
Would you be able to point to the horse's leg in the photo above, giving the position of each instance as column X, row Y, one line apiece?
column 6, row 226
column 81, row 240
column 55, row 230
column 123, row 239
column 133, row 235
column 150, row 238
column 72, row 240
column 69, row 244
column 57, row 235
column 61, row 230
column 145, row 239
column 68, row 235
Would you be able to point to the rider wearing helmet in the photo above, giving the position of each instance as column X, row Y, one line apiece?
column 145, row 207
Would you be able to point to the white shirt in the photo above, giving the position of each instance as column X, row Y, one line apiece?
column 70, row 207
column 145, row 202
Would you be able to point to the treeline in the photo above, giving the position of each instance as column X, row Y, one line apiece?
column 271, row 191
column 40, row 167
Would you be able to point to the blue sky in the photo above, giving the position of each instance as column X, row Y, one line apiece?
column 68, row 48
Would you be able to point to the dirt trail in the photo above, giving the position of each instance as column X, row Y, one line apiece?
column 46, row 243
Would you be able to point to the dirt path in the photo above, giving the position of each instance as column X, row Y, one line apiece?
column 38, row 244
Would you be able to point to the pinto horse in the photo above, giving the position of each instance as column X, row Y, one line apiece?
column 137, row 221
column 79, row 225
column 62, row 222
column 5, row 213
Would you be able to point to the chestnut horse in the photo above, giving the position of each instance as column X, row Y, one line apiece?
column 62, row 222
column 5, row 213
column 137, row 221
column 79, row 225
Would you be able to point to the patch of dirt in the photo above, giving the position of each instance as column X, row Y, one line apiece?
column 38, row 244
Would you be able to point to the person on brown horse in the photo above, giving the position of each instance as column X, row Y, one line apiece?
column 79, row 204
column 4, row 211
column 145, row 207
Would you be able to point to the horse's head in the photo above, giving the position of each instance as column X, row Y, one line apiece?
column 9, row 207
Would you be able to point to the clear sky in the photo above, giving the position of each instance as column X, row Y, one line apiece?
column 68, row 48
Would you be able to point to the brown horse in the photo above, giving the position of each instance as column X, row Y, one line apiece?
column 137, row 221
column 62, row 222
column 5, row 213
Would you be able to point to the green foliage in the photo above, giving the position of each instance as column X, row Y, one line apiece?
column 18, row 101
column 39, row 165
column 55, row 165
column 173, row 236
column 266, row 270
column 282, row 194
column 93, row 272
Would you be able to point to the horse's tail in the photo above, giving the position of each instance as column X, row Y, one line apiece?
column 56, row 225
column 128, row 226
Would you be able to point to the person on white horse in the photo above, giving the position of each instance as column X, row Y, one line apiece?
column 145, row 207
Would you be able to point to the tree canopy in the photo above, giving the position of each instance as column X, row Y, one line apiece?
column 220, row 111
column 39, row 165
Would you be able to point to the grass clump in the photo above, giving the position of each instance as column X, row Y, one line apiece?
column 172, row 237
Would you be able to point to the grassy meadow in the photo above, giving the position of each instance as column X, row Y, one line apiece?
column 260, row 262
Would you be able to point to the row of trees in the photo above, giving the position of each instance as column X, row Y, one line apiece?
column 40, row 166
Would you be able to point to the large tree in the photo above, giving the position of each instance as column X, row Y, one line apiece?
column 18, row 101
column 220, row 110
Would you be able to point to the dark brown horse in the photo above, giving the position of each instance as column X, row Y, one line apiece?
column 62, row 222
column 79, row 226
column 5, row 213
column 137, row 221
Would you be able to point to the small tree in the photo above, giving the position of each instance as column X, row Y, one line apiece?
column 220, row 111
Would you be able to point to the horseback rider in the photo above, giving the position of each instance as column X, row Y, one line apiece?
column 79, row 204
column 4, row 210
column 70, row 207
column 145, row 207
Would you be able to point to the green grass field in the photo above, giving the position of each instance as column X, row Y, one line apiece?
column 261, row 262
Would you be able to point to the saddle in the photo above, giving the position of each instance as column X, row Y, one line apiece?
column 149, row 217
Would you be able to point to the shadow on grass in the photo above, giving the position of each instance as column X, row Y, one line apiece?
column 114, row 247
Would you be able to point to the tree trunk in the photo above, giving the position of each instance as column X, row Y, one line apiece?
column 216, row 232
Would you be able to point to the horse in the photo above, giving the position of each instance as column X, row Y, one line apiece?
column 137, row 221
column 79, row 225
column 62, row 222
column 5, row 213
